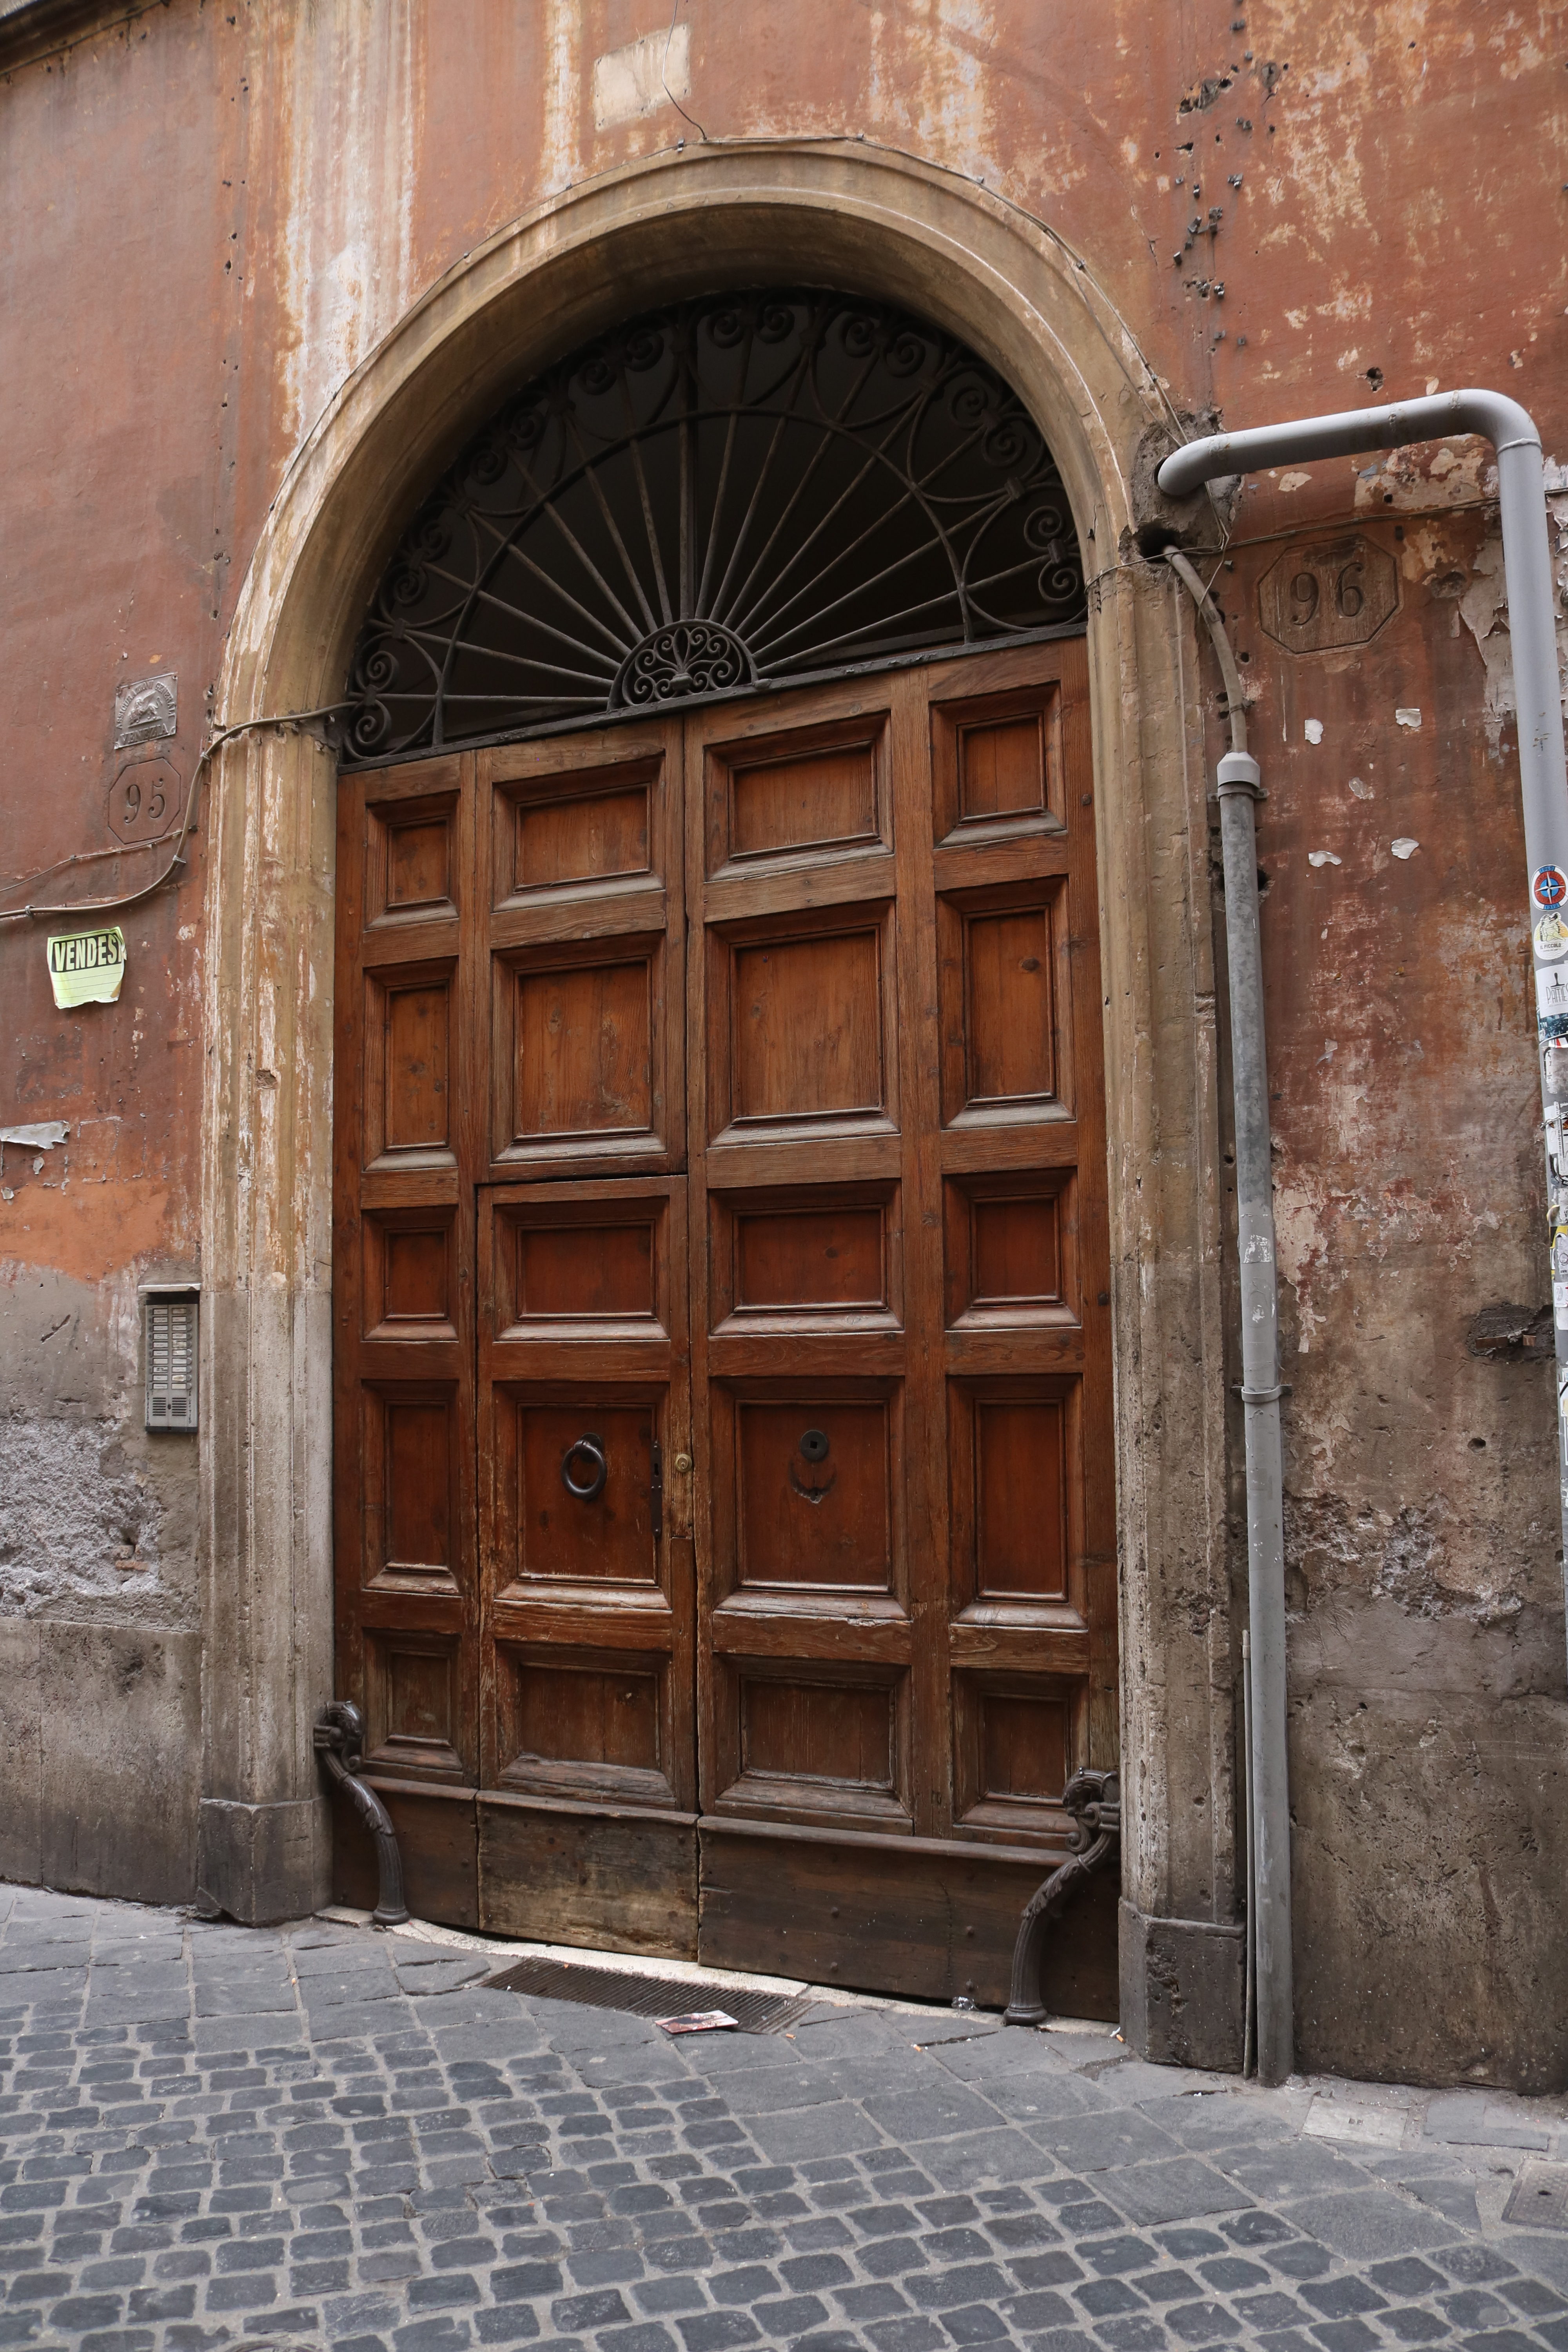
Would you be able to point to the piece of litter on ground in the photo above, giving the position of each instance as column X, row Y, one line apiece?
column 1363, row 791
column 1313, row 731
column 1405, row 847
column 1322, row 857
column 1407, row 718
column 697, row 2021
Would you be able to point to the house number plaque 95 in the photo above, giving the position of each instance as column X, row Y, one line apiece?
column 146, row 801
column 1335, row 592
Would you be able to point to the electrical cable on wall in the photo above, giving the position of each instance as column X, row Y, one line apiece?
column 297, row 719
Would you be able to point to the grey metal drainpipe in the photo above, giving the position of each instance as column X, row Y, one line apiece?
column 1527, row 567
column 1239, row 785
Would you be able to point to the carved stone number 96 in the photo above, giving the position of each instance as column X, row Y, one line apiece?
column 1335, row 592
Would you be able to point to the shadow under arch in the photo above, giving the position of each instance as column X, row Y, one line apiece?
column 868, row 222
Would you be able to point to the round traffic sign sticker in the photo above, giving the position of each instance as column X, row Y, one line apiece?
column 1550, row 886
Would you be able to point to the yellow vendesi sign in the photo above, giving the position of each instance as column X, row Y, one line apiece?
column 86, row 967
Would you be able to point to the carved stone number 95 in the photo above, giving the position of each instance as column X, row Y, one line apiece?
column 1334, row 592
column 145, row 800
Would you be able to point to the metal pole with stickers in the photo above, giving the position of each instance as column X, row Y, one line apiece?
column 1549, row 937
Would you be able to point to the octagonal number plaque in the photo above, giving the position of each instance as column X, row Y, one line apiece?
column 1335, row 592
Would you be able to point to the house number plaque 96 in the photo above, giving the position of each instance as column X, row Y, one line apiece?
column 1336, row 592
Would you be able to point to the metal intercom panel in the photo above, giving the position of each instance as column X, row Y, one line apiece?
column 171, row 1358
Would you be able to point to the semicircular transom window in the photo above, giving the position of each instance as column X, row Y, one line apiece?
column 740, row 491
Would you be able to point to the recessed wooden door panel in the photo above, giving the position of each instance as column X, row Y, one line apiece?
column 724, row 1444
column 1011, row 1243
column 800, row 792
column 797, row 1742
column 411, row 846
column 412, row 1448
column 577, row 827
column 785, row 1260
column 413, row 1701
column 802, row 1018
column 806, row 1494
column 1005, row 1055
column 409, row 1104
column 997, row 762
column 550, row 1446
column 587, row 1722
column 578, row 1034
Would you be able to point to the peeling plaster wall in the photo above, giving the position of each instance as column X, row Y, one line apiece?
column 213, row 215
column 100, row 1639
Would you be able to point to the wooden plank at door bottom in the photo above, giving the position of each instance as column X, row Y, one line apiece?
column 922, row 1918
column 437, row 1838
column 614, row 1878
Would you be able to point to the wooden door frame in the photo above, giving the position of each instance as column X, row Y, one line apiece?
column 908, row 232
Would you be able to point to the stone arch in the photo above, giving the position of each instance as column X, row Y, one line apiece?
column 875, row 223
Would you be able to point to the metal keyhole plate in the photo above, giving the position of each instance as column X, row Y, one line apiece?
column 814, row 1446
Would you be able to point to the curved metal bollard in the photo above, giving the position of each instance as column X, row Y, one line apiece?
column 1094, row 1801
column 339, row 1743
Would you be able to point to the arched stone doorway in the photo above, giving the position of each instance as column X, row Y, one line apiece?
column 903, row 233
column 723, row 1460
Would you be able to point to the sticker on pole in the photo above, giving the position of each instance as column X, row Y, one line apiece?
column 1550, row 888
column 1551, row 937
column 86, row 967
column 1552, row 994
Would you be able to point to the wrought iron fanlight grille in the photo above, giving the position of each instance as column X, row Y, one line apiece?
column 735, row 492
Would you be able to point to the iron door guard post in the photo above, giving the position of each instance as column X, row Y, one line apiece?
column 1527, row 566
column 339, row 1743
column 1094, row 1801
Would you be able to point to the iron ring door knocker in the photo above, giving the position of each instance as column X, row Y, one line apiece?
column 590, row 1449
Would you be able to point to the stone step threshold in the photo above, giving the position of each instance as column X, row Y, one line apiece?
column 946, row 2024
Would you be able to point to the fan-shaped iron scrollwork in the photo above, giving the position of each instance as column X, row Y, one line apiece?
column 738, row 491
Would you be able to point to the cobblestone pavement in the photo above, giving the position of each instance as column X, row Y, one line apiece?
column 322, row 2136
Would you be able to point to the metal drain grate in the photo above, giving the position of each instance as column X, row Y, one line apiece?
column 753, row 2013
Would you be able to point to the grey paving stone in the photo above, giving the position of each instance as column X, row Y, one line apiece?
column 983, row 2159
column 1035, row 2095
column 1454, row 2200
column 935, row 2110
column 1093, row 2143
column 1290, row 2168
column 1172, row 2190
column 1224, row 2119
column 833, row 2129
column 1368, row 2224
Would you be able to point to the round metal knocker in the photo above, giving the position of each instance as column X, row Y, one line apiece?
column 590, row 1450
column 813, row 1445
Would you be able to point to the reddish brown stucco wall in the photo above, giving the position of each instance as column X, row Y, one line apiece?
column 215, row 211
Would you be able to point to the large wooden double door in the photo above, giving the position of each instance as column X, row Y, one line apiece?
column 725, row 1529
